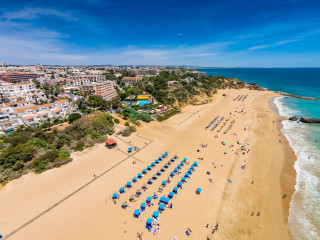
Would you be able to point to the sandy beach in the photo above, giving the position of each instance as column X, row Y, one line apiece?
column 75, row 201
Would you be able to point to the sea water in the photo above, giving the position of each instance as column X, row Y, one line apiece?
column 304, row 212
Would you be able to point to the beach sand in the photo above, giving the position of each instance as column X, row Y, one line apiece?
column 72, row 203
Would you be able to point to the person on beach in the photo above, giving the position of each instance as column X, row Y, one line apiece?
column 284, row 196
column 217, row 225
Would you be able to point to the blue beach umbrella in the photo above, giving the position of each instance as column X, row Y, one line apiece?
column 139, row 175
column 198, row 190
column 179, row 166
column 162, row 199
column 179, row 184
column 195, row 163
column 186, row 175
column 182, row 162
column 172, row 174
column 171, row 194
column 153, row 164
column 149, row 168
column 160, row 158
column 164, row 183
column 128, row 184
column 130, row 149
column 176, row 169
column 137, row 212
column 175, row 189
column 149, row 199
column 155, row 214
column 161, row 206
column 144, row 171
column 134, row 179
column 163, row 155
column 166, row 200
column 122, row 190
column 143, row 205
column 183, row 179
column 149, row 221
column 115, row 195
column 185, row 159
column 157, row 161
column 192, row 166
column 166, row 153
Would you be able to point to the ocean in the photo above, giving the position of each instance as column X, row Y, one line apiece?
column 304, row 213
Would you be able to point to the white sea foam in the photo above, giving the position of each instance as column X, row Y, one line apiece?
column 304, row 213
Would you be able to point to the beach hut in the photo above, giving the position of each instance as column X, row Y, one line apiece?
column 128, row 184
column 139, row 175
column 161, row 206
column 159, row 173
column 130, row 149
column 175, row 190
column 143, row 205
column 122, row 190
column 154, row 177
column 179, row 184
column 164, row 183
column 171, row 194
column 198, row 190
column 149, row 221
column 136, row 213
column 115, row 195
column 150, row 181
column 176, row 169
column 144, row 171
column 149, row 199
column 124, row 204
column 149, row 168
column 183, row 179
column 110, row 143
column 134, row 179
column 172, row 174
column 155, row 214
column 131, row 198
column 144, row 186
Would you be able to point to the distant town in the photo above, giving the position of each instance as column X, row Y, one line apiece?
column 40, row 95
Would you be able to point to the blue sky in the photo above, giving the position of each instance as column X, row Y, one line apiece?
column 241, row 33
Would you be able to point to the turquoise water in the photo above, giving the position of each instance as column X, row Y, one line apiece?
column 143, row 102
column 304, row 213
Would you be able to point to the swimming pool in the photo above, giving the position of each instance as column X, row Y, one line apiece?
column 143, row 102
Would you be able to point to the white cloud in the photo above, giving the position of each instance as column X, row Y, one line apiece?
column 32, row 13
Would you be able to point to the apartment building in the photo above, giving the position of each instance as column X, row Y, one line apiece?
column 16, row 89
column 131, row 80
column 18, row 77
column 106, row 89
column 91, row 78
